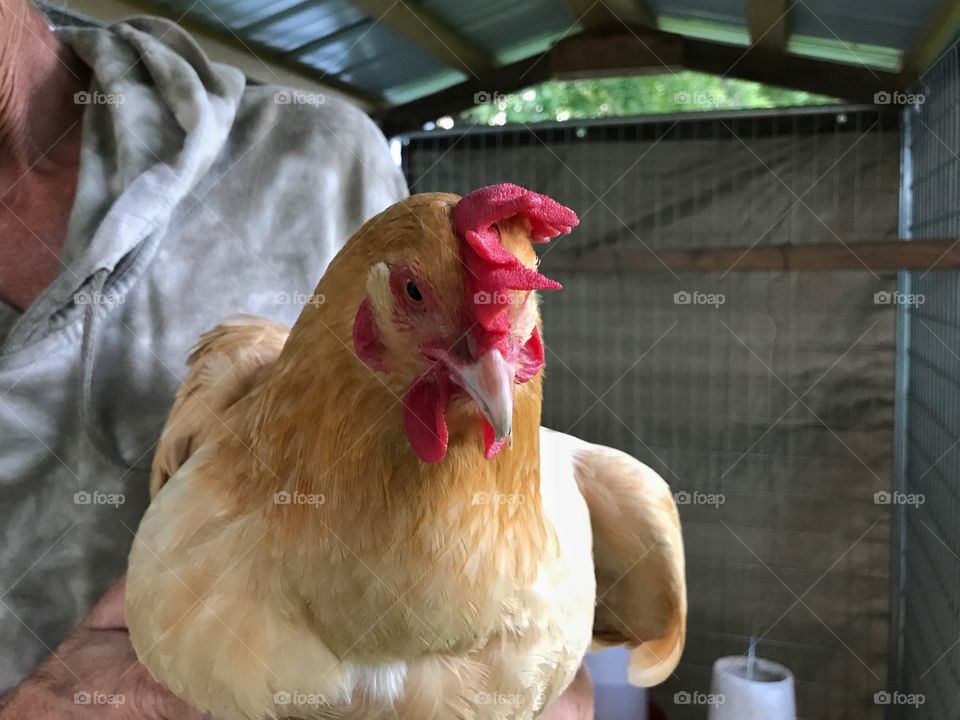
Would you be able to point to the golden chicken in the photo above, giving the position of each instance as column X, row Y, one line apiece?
column 361, row 517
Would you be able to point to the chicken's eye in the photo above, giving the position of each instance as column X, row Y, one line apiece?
column 413, row 292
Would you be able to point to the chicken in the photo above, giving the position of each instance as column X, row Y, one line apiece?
column 360, row 517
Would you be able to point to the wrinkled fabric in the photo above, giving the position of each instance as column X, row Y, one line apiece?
column 199, row 197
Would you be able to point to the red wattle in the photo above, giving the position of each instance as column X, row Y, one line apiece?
column 424, row 419
column 531, row 357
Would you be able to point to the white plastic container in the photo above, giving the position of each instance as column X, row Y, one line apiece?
column 616, row 699
column 756, row 689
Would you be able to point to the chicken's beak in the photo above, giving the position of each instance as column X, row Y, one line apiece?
column 489, row 381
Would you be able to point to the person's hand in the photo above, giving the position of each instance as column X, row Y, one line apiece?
column 576, row 703
column 95, row 674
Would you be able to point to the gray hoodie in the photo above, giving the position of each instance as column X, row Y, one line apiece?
column 199, row 197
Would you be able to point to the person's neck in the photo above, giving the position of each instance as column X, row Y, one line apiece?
column 39, row 76
column 40, row 136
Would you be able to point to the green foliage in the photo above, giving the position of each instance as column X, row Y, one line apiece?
column 638, row 95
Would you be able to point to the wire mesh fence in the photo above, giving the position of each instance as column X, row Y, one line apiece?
column 926, row 642
column 765, row 399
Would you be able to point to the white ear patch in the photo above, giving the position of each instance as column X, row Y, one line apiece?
column 378, row 282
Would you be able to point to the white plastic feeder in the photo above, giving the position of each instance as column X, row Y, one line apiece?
column 614, row 697
column 751, row 689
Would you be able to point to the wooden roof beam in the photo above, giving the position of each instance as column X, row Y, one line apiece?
column 872, row 256
column 611, row 14
column 767, row 21
column 940, row 30
column 833, row 79
column 430, row 34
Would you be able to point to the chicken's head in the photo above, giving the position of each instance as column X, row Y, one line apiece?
column 450, row 313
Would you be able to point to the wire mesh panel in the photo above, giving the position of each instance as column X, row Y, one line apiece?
column 765, row 399
column 927, row 649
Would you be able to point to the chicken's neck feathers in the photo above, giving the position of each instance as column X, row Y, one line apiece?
column 330, row 431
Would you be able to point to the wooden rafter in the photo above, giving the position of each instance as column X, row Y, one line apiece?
column 767, row 21
column 940, row 30
column 607, row 14
column 430, row 34
column 873, row 256
column 277, row 17
column 643, row 50
column 833, row 79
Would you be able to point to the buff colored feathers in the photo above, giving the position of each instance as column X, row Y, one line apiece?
column 300, row 560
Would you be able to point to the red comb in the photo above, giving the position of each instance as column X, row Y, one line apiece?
column 491, row 268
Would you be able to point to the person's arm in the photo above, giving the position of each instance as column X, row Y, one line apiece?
column 94, row 674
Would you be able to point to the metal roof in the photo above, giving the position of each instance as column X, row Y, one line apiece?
column 393, row 52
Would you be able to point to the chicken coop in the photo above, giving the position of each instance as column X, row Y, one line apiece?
column 761, row 304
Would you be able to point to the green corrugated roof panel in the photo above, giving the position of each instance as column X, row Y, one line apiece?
column 336, row 37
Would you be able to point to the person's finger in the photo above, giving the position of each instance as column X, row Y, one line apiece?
column 576, row 703
column 108, row 613
column 151, row 700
